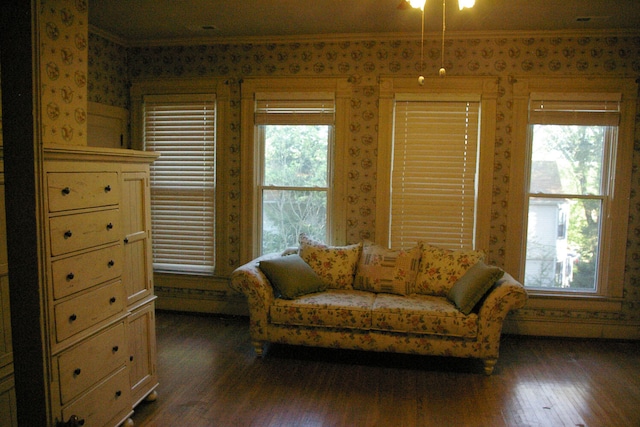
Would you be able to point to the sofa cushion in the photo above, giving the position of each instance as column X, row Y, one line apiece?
column 385, row 270
column 471, row 287
column 441, row 268
column 336, row 265
column 332, row 308
column 422, row 314
column 291, row 276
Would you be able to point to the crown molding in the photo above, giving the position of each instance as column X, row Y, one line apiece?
column 359, row 37
column 109, row 36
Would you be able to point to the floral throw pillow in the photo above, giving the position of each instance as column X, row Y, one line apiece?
column 386, row 270
column 441, row 268
column 336, row 265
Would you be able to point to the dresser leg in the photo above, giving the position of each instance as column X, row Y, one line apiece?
column 151, row 397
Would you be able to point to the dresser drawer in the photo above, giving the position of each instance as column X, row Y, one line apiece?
column 80, row 272
column 86, row 364
column 107, row 404
column 76, row 190
column 84, row 311
column 74, row 232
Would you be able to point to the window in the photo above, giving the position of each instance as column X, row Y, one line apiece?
column 432, row 183
column 571, row 142
column 182, row 128
column 576, row 159
column 295, row 139
column 293, row 145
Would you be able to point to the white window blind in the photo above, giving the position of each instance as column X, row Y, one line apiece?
column 295, row 108
column 182, row 129
column 584, row 109
column 434, row 175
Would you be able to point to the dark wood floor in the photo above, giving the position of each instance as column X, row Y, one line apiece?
column 209, row 376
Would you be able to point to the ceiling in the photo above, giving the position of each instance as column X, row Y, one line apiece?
column 139, row 21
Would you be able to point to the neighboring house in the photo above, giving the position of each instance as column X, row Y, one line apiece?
column 549, row 261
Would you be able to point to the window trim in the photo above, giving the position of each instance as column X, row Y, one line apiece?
column 614, row 250
column 487, row 89
column 249, row 154
column 220, row 89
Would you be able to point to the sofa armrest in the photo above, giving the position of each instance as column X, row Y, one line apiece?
column 506, row 295
column 250, row 281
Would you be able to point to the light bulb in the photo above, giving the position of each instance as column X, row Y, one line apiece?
column 418, row 4
column 466, row 3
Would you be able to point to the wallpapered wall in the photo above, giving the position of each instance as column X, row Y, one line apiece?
column 63, row 71
column 112, row 66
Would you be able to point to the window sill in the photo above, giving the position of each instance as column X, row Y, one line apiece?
column 573, row 302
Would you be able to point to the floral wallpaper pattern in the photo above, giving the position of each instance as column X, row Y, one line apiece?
column 63, row 70
column 363, row 62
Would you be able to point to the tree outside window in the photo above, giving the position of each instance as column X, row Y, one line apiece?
column 295, row 184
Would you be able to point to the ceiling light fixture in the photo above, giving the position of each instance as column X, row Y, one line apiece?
column 419, row 4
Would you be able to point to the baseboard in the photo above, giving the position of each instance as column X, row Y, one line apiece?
column 202, row 306
column 572, row 328
column 198, row 295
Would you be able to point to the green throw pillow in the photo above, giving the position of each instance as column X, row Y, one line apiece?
column 291, row 276
column 471, row 287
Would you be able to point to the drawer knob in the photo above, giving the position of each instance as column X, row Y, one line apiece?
column 74, row 421
column 70, row 276
column 111, row 263
column 73, row 317
column 118, row 393
column 107, row 188
column 68, row 234
column 131, row 358
column 115, row 348
column 126, row 240
column 109, row 226
column 77, row 372
column 65, row 191
column 112, row 300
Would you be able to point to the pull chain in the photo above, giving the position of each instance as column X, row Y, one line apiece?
column 442, row 71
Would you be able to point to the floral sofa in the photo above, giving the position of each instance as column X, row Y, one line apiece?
column 425, row 300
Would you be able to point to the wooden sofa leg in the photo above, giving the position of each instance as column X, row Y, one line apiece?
column 258, row 347
column 489, row 364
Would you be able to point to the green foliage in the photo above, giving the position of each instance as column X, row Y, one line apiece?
column 295, row 158
column 296, row 155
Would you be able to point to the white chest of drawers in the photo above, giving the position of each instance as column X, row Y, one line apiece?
column 99, row 283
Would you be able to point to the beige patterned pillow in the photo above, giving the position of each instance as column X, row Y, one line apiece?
column 336, row 265
column 441, row 268
column 386, row 270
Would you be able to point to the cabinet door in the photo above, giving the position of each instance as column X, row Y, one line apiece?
column 137, row 275
column 142, row 349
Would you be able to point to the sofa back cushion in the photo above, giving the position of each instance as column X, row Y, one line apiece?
column 336, row 265
column 385, row 270
column 441, row 268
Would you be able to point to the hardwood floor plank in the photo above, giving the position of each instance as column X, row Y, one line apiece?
column 209, row 376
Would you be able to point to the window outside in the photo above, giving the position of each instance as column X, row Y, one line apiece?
column 567, row 194
column 294, row 184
